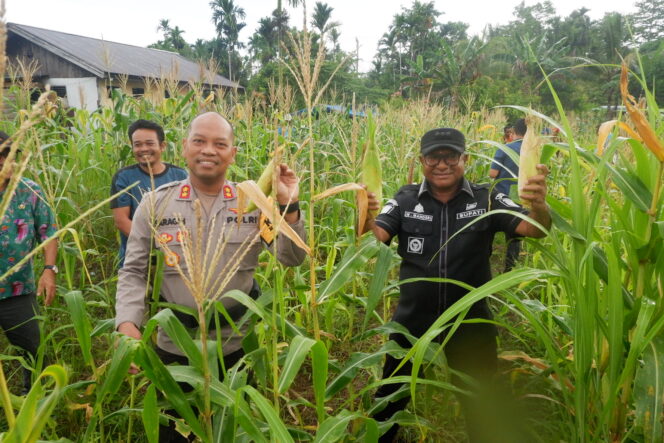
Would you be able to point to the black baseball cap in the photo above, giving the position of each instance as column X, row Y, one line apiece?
column 443, row 138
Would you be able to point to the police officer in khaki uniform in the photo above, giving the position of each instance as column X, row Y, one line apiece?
column 442, row 234
column 208, row 150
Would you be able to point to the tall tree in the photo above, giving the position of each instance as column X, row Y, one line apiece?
column 649, row 20
column 227, row 17
column 320, row 19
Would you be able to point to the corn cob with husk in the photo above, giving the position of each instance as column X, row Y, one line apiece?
column 372, row 174
column 266, row 179
column 529, row 157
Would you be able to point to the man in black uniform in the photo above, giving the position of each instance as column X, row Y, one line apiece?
column 425, row 217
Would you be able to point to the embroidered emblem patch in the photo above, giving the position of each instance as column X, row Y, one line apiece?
column 185, row 191
column 419, row 208
column 180, row 236
column 470, row 206
column 415, row 245
column 165, row 238
column 266, row 230
column 171, row 259
column 506, row 201
column 389, row 206
column 228, row 192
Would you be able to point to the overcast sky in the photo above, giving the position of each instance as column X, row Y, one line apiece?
column 135, row 21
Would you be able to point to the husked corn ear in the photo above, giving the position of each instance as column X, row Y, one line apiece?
column 372, row 173
column 530, row 154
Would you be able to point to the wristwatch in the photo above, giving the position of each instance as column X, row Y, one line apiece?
column 52, row 268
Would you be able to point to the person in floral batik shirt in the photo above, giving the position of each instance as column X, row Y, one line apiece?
column 27, row 222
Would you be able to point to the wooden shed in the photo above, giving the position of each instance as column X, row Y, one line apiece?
column 82, row 70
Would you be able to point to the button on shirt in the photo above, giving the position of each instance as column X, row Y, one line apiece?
column 27, row 222
column 444, row 240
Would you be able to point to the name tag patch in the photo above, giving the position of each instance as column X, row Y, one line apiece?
column 418, row 216
column 415, row 245
column 470, row 214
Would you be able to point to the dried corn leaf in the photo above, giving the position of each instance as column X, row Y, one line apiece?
column 251, row 190
column 362, row 201
column 606, row 128
column 640, row 121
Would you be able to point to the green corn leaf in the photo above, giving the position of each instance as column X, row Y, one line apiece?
column 150, row 415
column 382, row 268
column 319, row 366
column 357, row 361
column 334, row 428
column 297, row 351
column 178, row 334
column 353, row 260
column 155, row 370
column 649, row 391
column 37, row 408
column 117, row 371
column 278, row 430
column 82, row 326
column 632, row 187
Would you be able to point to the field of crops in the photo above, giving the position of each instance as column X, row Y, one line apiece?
column 580, row 319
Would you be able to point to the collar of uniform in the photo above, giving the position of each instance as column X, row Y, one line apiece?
column 185, row 191
column 465, row 187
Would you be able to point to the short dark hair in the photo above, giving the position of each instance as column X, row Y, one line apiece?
column 520, row 126
column 147, row 124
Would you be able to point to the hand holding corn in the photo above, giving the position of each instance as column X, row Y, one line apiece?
column 534, row 192
column 288, row 188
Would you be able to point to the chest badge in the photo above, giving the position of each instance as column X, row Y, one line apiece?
column 470, row 206
column 419, row 208
column 415, row 245
column 228, row 192
column 165, row 238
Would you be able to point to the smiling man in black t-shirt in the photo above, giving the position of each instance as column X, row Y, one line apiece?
column 442, row 234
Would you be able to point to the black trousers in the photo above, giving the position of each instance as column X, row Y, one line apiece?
column 472, row 350
column 18, row 318
column 513, row 251
column 168, row 434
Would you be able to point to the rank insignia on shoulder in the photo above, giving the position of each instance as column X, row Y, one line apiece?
column 228, row 192
column 171, row 259
column 185, row 192
column 165, row 238
column 266, row 230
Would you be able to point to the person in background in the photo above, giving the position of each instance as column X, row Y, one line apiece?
column 426, row 218
column 147, row 144
column 503, row 170
column 27, row 222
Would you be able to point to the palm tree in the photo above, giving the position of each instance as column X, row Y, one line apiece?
column 226, row 17
column 321, row 18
